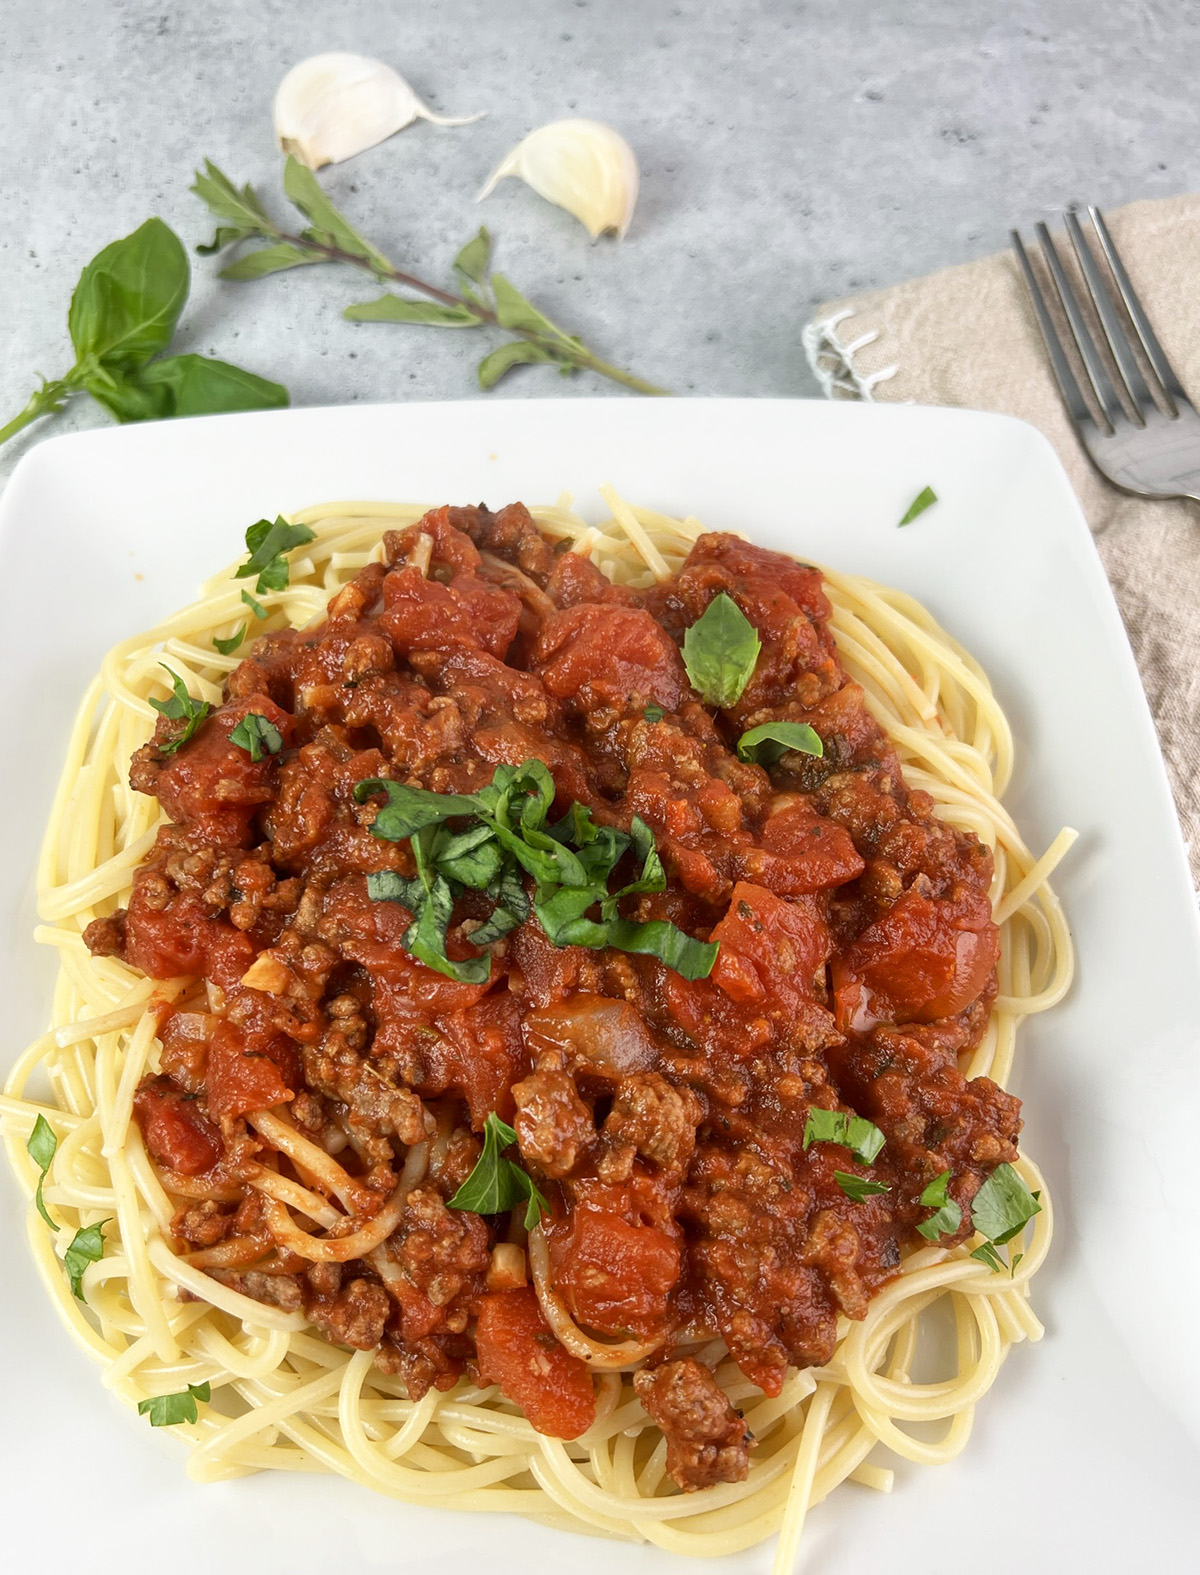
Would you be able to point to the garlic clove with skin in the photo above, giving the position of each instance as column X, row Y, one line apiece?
column 330, row 107
column 580, row 165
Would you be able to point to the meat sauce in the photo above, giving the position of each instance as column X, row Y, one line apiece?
column 662, row 1118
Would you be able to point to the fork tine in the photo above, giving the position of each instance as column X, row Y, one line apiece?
column 1076, row 405
column 1149, row 339
column 1106, row 394
column 1114, row 328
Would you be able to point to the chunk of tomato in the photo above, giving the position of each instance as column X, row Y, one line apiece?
column 518, row 1351
column 177, row 1134
column 771, row 950
column 616, row 1277
column 243, row 1074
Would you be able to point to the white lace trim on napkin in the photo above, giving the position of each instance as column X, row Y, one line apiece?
column 831, row 358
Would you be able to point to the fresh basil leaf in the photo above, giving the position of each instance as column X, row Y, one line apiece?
column 496, row 1184
column 499, row 362
column 388, row 886
column 1003, row 1205
column 512, row 908
column 180, row 708
column 767, row 743
column 425, row 938
column 184, row 385
column 256, row 608
column 304, row 191
column 988, row 1254
column 688, row 957
column 862, row 1137
column 129, row 298
column 269, row 542
column 229, row 646
column 167, row 1410
column 243, row 213
column 408, row 809
column 255, row 734
column 858, row 1188
column 265, row 260
column 473, row 858
column 476, row 257
column 948, row 1217
column 654, row 713
column 397, row 309
column 924, row 499
column 720, row 651
column 86, row 1247
column 40, row 1147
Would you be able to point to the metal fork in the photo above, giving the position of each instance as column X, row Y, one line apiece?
column 1153, row 447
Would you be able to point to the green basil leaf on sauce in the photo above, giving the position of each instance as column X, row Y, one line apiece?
column 684, row 954
column 40, row 1146
column 228, row 647
column 268, row 543
column 388, row 886
column 862, row 1137
column 654, row 713
column 766, row 744
column 497, row 1184
column 1003, row 1205
column 720, row 651
column 180, row 708
column 409, row 809
column 512, row 908
column 256, row 608
column 858, row 1188
column 256, row 736
column 924, row 499
column 167, row 1410
column 948, row 1217
column 87, row 1246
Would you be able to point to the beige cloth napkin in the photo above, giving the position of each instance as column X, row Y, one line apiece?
column 967, row 336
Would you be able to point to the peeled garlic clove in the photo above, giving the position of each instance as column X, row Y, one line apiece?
column 330, row 107
column 582, row 166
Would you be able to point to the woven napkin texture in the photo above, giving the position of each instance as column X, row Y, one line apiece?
column 967, row 336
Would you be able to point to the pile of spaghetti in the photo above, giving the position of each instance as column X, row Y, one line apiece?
column 535, row 1006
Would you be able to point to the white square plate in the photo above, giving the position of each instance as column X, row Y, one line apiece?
column 1086, row 1453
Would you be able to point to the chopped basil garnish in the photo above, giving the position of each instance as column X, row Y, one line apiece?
column 507, row 833
column 180, row 708
column 861, row 1137
column 924, row 499
column 859, row 1188
column 256, row 608
column 40, row 1147
column 719, row 652
column 1003, row 1205
column 948, row 1217
column 86, row 1247
column 255, row 735
column 765, row 744
column 654, row 713
column 167, row 1410
column 497, row 1184
column 227, row 647
column 269, row 542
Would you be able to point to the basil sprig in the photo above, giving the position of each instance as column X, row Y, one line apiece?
column 948, row 1216
column 862, row 1137
column 87, row 1246
column 571, row 863
column 766, row 743
column 180, row 708
column 719, row 652
column 167, row 1410
column 40, row 1146
column 497, row 1184
column 269, row 542
column 256, row 735
column 1002, row 1208
column 122, row 317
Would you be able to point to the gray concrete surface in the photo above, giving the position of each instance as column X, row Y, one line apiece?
column 789, row 151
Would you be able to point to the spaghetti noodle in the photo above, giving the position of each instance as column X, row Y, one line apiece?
column 285, row 1399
